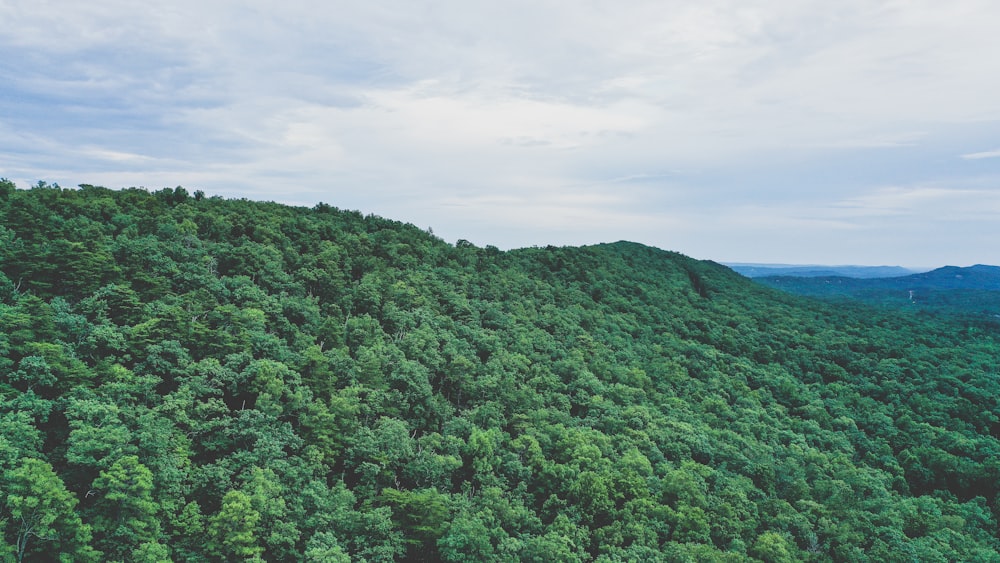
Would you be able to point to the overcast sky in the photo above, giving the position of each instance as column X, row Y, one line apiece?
column 796, row 131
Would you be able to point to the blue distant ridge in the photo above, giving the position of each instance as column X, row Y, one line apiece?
column 816, row 271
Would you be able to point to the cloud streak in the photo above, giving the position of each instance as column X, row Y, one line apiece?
column 980, row 155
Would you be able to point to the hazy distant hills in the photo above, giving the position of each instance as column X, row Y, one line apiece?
column 951, row 289
column 979, row 276
column 816, row 271
column 949, row 277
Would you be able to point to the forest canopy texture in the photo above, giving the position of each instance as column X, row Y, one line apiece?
column 191, row 378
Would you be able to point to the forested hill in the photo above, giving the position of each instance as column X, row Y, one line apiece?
column 197, row 379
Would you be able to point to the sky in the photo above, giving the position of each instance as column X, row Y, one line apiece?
column 792, row 131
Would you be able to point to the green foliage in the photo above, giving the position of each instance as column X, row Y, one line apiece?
column 772, row 547
column 41, row 514
column 422, row 516
column 190, row 378
column 233, row 530
column 125, row 514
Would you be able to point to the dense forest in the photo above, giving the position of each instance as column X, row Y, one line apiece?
column 191, row 378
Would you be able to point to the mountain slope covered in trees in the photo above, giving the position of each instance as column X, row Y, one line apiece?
column 198, row 379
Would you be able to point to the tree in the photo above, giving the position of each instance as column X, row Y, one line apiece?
column 421, row 515
column 267, row 496
column 234, row 528
column 7, row 188
column 772, row 547
column 40, row 509
column 98, row 436
column 467, row 539
column 324, row 548
column 126, row 515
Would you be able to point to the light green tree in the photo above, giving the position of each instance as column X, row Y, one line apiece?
column 126, row 510
column 234, row 528
column 40, row 509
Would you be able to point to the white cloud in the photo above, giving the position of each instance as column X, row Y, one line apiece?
column 895, row 140
column 985, row 154
column 931, row 203
column 416, row 107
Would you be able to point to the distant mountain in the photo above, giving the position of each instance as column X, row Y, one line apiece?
column 949, row 277
column 815, row 271
column 973, row 290
column 979, row 276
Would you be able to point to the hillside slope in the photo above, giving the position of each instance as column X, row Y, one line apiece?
column 201, row 379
